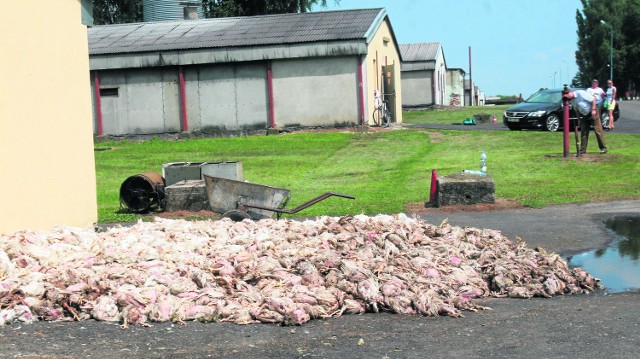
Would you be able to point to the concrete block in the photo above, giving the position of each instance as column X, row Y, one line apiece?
column 463, row 188
column 175, row 172
column 187, row 195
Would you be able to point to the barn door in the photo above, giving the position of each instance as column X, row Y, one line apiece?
column 389, row 89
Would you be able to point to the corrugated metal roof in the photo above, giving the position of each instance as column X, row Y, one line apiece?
column 424, row 51
column 232, row 32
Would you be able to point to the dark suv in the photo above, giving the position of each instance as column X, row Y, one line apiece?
column 543, row 110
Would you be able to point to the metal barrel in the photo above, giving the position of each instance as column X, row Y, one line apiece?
column 142, row 192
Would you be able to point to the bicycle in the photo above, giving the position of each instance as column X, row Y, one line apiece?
column 381, row 114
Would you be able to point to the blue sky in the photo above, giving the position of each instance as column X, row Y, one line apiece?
column 516, row 45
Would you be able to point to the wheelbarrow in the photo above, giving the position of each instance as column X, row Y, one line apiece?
column 239, row 200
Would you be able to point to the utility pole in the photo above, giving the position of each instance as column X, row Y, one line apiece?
column 610, row 49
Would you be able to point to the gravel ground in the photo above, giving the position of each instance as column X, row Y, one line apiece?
column 580, row 326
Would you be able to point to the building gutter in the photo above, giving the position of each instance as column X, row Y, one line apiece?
column 361, row 90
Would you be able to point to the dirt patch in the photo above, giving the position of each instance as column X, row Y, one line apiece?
column 589, row 157
column 501, row 203
column 435, row 137
column 415, row 207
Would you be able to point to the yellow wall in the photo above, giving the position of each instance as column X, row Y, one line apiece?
column 381, row 53
column 47, row 167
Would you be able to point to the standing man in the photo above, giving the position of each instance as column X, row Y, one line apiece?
column 587, row 110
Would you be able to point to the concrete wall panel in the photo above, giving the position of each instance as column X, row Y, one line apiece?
column 313, row 92
column 192, row 95
column 144, row 101
column 143, row 94
column 251, row 95
column 416, row 86
column 230, row 96
column 114, row 107
column 171, row 99
column 217, row 97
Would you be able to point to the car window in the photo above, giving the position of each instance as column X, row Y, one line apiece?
column 545, row 97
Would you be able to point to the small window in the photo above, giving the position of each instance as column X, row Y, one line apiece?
column 109, row 92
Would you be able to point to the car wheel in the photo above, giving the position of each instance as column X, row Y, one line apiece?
column 513, row 128
column 553, row 123
column 605, row 120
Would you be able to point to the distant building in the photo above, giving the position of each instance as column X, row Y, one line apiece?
column 469, row 94
column 243, row 73
column 455, row 87
column 479, row 97
column 424, row 75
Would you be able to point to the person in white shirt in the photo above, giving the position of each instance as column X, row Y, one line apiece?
column 598, row 92
column 586, row 107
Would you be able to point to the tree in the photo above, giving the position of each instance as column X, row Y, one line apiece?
column 596, row 22
column 227, row 8
column 106, row 12
column 631, row 41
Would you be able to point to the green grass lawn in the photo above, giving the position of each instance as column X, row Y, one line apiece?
column 450, row 116
column 386, row 170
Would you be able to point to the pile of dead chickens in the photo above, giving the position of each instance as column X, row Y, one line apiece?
column 270, row 271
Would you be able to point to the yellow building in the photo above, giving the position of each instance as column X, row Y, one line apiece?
column 46, row 135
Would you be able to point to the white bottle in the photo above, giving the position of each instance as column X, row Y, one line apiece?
column 483, row 162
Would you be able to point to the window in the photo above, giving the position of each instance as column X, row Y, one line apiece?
column 109, row 92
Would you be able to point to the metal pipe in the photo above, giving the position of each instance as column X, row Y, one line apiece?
column 272, row 121
column 610, row 48
column 611, row 56
column 299, row 208
column 183, row 101
column 471, row 95
column 98, row 103
column 376, row 64
column 361, row 90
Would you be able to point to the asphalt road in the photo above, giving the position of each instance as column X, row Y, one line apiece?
column 629, row 121
column 578, row 326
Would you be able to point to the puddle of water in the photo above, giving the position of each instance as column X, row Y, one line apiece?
column 617, row 265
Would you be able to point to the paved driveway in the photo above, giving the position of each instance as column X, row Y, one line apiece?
column 629, row 121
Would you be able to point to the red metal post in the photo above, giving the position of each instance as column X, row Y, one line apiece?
column 565, row 123
column 272, row 121
column 566, row 128
column 183, row 101
column 98, row 103
column 434, row 187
